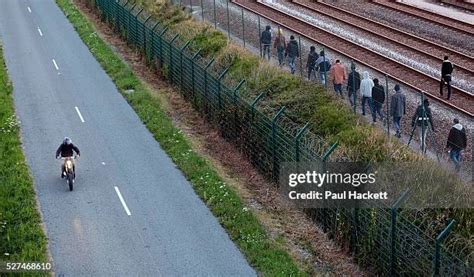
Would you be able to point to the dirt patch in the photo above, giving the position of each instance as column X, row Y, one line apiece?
column 287, row 225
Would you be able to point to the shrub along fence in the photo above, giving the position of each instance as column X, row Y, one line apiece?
column 380, row 238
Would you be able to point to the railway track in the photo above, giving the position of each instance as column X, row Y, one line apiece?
column 448, row 22
column 432, row 51
column 410, row 77
column 457, row 4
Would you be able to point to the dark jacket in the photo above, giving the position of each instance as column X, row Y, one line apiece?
column 312, row 57
column 457, row 139
column 353, row 79
column 279, row 43
column 292, row 49
column 422, row 116
column 378, row 94
column 66, row 150
column 398, row 105
column 446, row 68
column 266, row 37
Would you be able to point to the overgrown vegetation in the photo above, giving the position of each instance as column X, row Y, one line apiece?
column 263, row 253
column 328, row 116
column 21, row 235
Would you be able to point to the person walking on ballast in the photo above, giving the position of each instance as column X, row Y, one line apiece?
column 457, row 142
column 311, row 62
column 446, row 71
column 420, row 120
column 353, row 84
column 266, row 41
column 338, row 75
column 293, row 52
column 397, row 109
column 366, row 86
column 280, row 45
column 378, row 98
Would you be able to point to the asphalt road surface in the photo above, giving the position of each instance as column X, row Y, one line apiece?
column 132, row 212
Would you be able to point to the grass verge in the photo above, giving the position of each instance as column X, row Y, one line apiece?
column 21, row 235
column 242, row 226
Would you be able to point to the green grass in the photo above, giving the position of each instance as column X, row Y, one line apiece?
column 21, row 235
column 242, row 226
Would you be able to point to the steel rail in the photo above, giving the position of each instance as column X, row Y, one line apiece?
column 454, row 24
column 460, row 5
column 271, row 14
column 458, row 58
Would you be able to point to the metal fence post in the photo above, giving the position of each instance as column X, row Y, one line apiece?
column 215, row 16
column 144, row 34
column 354, row 91
column 234, row 100
column 439, row 239
column 122, row 9
column 259, row 36
column 136, row 25
column 181, row 63
column 298, row 136
column 192, row 70
column 274, row 147
column 152, row 47
column 328, row 152
column 387, row 116
column 325, row 70
column 160, row 36
column 228, row 20
column 117, row 21
column 170, row 72
column 205, row 86
column 191, row 7
column 219, row 87
column 202, row 10
column 393, row 232
column 301, row 56
column 243, row 25
column 254, row 103
column 423, row 113
column 129, row 25
column 354, row 231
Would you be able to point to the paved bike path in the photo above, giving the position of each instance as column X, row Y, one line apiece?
column 59, row 90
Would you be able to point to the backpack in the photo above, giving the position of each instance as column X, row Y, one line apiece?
column 325, row 66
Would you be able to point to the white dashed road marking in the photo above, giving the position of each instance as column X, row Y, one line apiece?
column 55, row 64
column 39, row 31
column 80, row 115
column 123, row 201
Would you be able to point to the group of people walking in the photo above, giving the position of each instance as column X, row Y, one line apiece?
column 373, row 94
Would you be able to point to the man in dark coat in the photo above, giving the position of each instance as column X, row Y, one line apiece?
column 446, row 71
column 353, row 84
column 457, row 142
column 293, row 52
column 266, row 41
column 378, row 98
column 397, row 108
column 420, row 119
column 311, row 63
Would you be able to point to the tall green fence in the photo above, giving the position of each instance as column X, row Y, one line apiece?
column 383, row 239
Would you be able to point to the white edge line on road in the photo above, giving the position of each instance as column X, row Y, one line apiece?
column 80, row 115
column 55, row 64
column 39, row 31
column 29, row 10
column 123, row 201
